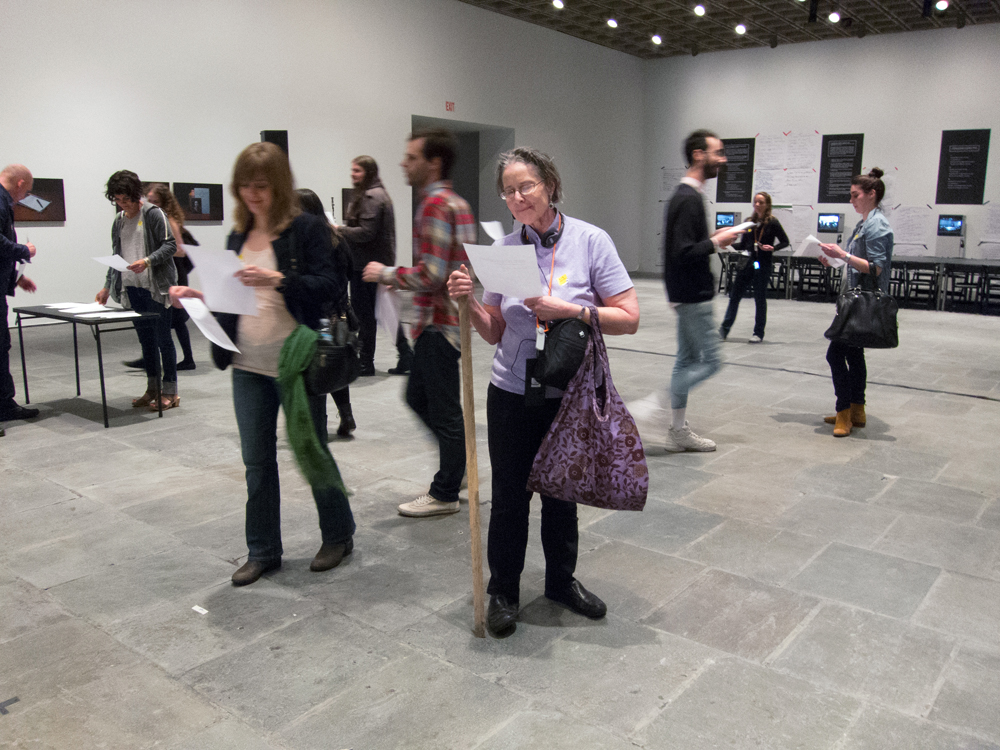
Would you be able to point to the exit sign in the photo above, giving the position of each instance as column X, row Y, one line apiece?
column 449, row 106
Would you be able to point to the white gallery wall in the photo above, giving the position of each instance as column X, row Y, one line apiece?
column 174, row 91
column 900, row 90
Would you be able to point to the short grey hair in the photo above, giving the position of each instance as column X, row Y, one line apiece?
column 542, row 163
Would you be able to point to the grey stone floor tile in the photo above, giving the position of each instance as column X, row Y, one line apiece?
column 831, row 519
column 884, row 584
column 898, row 461
column 552, row 730
column 843, row 481
column 123, row 709
column 392, row 708
column 737, row 705
column 25, row 609
column 971, row 692
column 42, row 524
column 883, row 729
column 301, row 665
column 670, row 482
column 122, row 591
column 26, row 490
column 758, row 498
column 963, row 549
column 227, row 734
column 223, row 537
column 975, row 468
column 763, row 553
column 733, row 614
column 869, row 656
column 990, row 519
column 614, row 675
column 192, row 504
column 175, row 637
column 164, row 478
column 631, row 580
column 661, row 527
column 932, row 499
column 964, row 606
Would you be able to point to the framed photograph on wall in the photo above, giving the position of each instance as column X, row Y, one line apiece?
column 200, row 201
column 45, row 202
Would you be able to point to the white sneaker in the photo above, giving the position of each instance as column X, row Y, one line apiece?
column 755, row 340
column 425, row 505
column 651, row 419
column 685, row 440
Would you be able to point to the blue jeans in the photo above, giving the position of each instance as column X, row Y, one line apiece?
column 697, row 350
column 256, row 399
column 155, row 339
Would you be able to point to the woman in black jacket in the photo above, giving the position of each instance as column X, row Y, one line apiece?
column 287, row 258
column 759, row 242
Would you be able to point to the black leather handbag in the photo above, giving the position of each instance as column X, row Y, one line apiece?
column 865, row 318
column 337, row 361
column 565, row 345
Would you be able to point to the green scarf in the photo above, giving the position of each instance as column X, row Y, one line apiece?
column 314, row 458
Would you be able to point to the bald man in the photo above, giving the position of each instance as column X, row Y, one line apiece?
column 15, row 183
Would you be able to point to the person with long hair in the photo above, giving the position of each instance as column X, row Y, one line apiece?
column 589, row 273
column 312, row 204
column 371, row 232
column 287, row 258
column 757, row 244
column 869, row 262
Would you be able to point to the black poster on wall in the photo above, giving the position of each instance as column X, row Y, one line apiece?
column 839, row 162
column 736, row 175
column 962, row 168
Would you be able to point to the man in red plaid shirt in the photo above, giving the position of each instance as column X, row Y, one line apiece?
column 441, row 224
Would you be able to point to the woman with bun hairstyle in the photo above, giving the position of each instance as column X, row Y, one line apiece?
column 868, row 253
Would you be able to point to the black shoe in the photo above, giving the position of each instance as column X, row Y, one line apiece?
column 347, row 423
column 367, row 370
column 254, row 569
column 186, row 364
column 581, row 601
column 501, row 617
column 723, row 333
column 135, row 364
column 403, row 366
column 331, row 555
column 16, row 411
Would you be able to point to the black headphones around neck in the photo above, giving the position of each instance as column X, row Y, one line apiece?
column 549, row 238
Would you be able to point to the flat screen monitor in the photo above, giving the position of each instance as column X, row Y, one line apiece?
column 830, row 224
column 725, row 219
column 951, row 226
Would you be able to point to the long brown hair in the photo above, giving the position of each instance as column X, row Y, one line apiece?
column 266, row 162
column 166, row 201
column 370, row 167
column 762, row 220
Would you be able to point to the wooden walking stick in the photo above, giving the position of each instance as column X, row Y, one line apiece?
column 469, row 413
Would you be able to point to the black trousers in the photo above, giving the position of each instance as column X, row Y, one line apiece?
column 850, row 373
column 363, row 301
column 434, row 393
column 745, row 277
column 515, row 434
column 6, row 380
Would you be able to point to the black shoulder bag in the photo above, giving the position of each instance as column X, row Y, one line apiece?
column 865, row 318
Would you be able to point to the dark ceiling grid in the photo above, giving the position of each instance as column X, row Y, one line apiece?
column 768, row 21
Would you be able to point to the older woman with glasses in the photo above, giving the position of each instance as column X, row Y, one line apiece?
column 579, row 267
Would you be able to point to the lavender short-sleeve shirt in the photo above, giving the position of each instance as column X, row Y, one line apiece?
column 587, row 272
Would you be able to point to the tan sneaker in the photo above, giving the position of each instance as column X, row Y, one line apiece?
column 684, row 439
column 425, row 505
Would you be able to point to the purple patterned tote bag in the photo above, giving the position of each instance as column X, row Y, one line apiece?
column 592, row 453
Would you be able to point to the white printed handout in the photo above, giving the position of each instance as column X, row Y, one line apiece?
column 387, row 311
column 810, row 249
column 511, row 270
column 117, row 262
column 109, row 315
column 223, row 291
column 207, row 323
column 86, row 307
column 34, row 202
column 494, row 229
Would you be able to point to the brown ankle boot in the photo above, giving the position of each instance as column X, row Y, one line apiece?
column 858, row 418
column 842, row 427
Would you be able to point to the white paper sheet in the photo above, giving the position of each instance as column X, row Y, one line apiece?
column 387, row 311
column 912, row 225
column 117, row 262
column 85, row 307
column 62, row 305
column 207, row 323
column 494, row 229
column 110, row 314
column 744, row 226
column 223, row 291
column 810, row 249
column 34, row 202
column 991, row 233
column 511, row 270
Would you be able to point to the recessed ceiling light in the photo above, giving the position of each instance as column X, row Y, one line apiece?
column 699, row 10
column 941, row 5
column 612, row 23
column 741, row 29
column 657, row 39
column 834, row 17
column 558, row 4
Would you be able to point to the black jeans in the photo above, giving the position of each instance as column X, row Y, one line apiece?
column 155, row 340
column 515, row 434
column 434, row 393
column 850, row 374
column 363, row 301
column 746, row 277
column 6, row 380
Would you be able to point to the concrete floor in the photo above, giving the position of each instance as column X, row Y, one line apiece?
column 790, row 590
